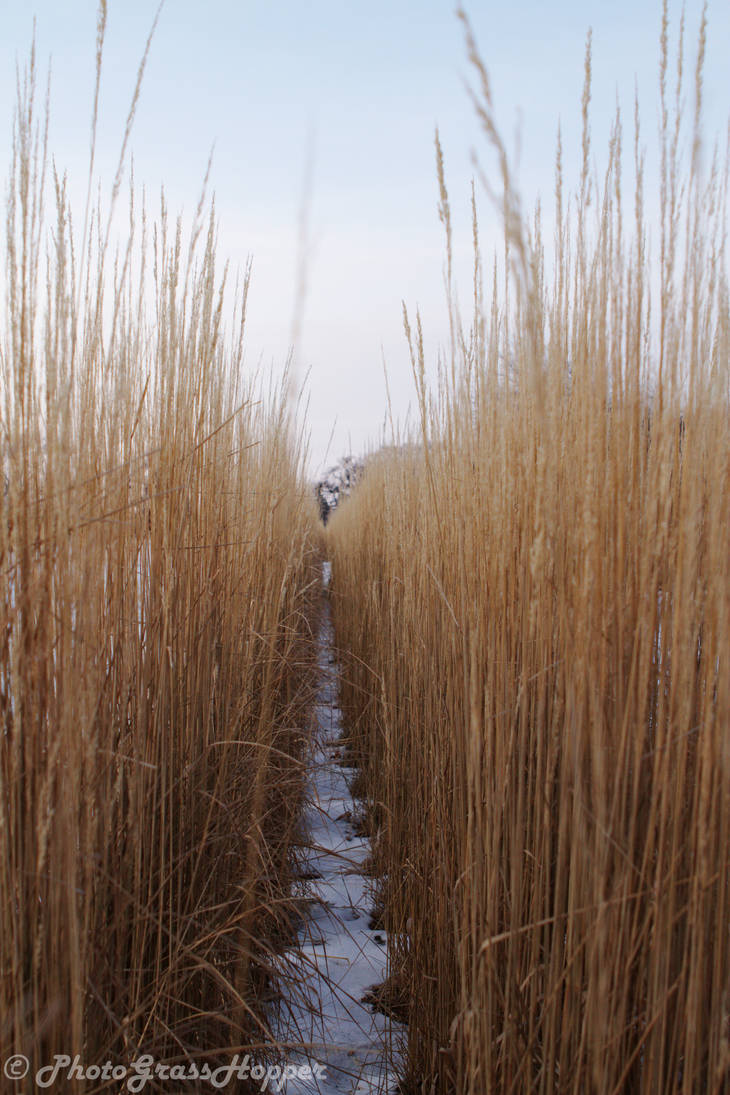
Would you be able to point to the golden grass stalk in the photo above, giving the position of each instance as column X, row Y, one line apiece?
column 156, row 581
column 533, row 601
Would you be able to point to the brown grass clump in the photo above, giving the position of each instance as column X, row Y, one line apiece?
column 156, row 582
column 536, row 598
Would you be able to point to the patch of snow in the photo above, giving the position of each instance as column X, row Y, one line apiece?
column 338, row 957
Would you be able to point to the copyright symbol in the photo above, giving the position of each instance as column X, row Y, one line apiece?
column 16, row 1067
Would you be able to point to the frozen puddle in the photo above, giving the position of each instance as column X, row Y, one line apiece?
column 323, row 1021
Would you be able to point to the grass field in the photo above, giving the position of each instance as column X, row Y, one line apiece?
column 157, row 583
column 531, row 600
column 531, row 596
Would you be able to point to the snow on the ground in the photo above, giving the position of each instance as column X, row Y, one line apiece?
column 339, row 957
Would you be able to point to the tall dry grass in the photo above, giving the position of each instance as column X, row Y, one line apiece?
column 156, row 584
column 533, row 602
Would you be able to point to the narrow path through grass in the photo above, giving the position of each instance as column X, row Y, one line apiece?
column 339, row 956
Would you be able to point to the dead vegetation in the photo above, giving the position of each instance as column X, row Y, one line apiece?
column 156, row 587
column 533, row 606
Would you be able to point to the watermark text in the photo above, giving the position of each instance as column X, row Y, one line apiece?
column 138, row 1073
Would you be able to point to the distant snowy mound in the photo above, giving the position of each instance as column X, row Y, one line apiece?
column 336, row 484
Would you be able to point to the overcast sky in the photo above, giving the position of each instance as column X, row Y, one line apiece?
column 355, row 89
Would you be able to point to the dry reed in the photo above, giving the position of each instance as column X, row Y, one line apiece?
column 533, row 604
column 156, row 586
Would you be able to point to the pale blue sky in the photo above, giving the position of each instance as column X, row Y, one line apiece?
column 364, row 85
